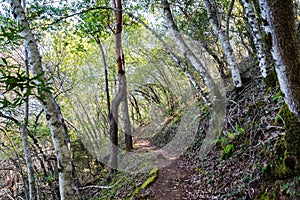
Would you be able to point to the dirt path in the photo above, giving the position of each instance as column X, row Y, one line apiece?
column 169, row 183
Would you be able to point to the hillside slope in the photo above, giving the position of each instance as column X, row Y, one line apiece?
column 240, row 165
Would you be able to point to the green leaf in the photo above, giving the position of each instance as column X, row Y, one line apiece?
column 5, row 103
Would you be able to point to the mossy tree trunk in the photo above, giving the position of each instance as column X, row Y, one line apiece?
column 286, row 53
column 288, row 164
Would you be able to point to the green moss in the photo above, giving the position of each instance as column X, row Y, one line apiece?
column 283, row 169
column 277, row 120
column 151, row 178
column 267, row 39
column 148, row 181
column 264, row 196
column 288, row 152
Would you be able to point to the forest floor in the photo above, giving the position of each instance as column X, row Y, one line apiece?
column 168, row 183
column 239, row 165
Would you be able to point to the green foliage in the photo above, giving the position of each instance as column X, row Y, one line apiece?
column 281, row 189
column 227, row 151
column 239, row 130
column 278, row 97
column 13, row 81
column 223, row 141
column 9, row 33
column 290, row 188
column 230, row 137
column 41, row 10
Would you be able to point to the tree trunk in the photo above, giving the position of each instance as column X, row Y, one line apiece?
column 28, row 160
column 59, row 134
column 106, row 76
column 286, row 49
column 257, row 37
column 127, row 124
column 215, row 22
column 122, row 93
column 208, row 80
column 33, row 193
column 286, row 53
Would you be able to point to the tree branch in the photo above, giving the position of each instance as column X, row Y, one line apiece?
column 81, row 12
column 10, row 118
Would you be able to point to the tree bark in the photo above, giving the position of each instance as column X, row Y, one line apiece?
column 286, row 48
column 127, row 124
column 286, row 53
column 187, row 52
column 28, row 160
column 121, row 94
column 54, row 117
column 261, row 51
column 215, row 22
column 105, row 75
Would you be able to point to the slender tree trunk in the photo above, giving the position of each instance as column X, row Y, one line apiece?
column 228, row 17
column 257, row 37
column 33, row 194
column 215, row 22
column 30, row 172
column 205, row 45
column 113, row 160
column 106, row 77
column 59, row 134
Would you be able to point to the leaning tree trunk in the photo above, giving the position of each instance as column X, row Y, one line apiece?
column 215, row 22
column 257, row 37
column 208, row 80
column 286, row 53
column 59, row 134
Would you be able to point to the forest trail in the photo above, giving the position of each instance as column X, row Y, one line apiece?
column 144, row 145
column 169, row 184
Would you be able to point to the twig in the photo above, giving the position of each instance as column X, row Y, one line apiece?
column 277, row 127
column 10, row 197
column 269, row 139
column 96, row 186
column 10, row 118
